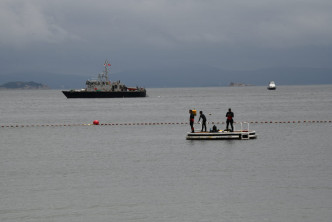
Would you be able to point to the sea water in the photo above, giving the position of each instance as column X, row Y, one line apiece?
column 56, row 166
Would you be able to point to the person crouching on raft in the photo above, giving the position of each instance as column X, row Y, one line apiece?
column 191, row 120
column 203, row 120
column 229, row 120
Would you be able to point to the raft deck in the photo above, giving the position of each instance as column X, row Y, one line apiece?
column 223, row 135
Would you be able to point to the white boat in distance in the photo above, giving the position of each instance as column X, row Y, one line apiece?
column 272, row 86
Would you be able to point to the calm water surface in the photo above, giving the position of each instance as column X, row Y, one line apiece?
column 151, row 173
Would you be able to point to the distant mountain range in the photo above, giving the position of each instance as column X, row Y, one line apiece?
column 52, row 80
column 183, row 77
column 210, row 76
column 23, row 85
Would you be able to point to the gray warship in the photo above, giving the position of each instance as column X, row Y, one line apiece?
column 103, row 87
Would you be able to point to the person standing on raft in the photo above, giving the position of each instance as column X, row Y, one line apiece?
column 203, row 120
column 229, row 120
column 191, row 120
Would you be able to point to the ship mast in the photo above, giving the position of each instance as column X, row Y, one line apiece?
column 107, row 65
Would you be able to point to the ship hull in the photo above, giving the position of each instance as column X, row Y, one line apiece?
column 81, row 94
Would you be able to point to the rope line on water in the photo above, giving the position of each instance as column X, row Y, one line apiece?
column 159, row 123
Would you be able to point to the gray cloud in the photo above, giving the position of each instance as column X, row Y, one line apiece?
column 237, row 34
column 23, row 22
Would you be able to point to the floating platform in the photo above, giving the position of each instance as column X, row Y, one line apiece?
column 223, row 135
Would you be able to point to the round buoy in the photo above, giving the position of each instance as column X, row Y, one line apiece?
column 95, row 122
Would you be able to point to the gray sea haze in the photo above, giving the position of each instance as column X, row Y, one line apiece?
column 150, row 172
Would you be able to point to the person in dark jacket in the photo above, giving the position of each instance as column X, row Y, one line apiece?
column 229, row 120
column 191, row 120
column 202, row 116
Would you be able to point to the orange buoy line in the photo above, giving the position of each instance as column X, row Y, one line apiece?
column 96, row 122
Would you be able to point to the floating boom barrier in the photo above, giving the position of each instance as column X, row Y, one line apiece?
column 160, row 123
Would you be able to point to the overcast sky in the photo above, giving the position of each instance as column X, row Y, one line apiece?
column 75, row 36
